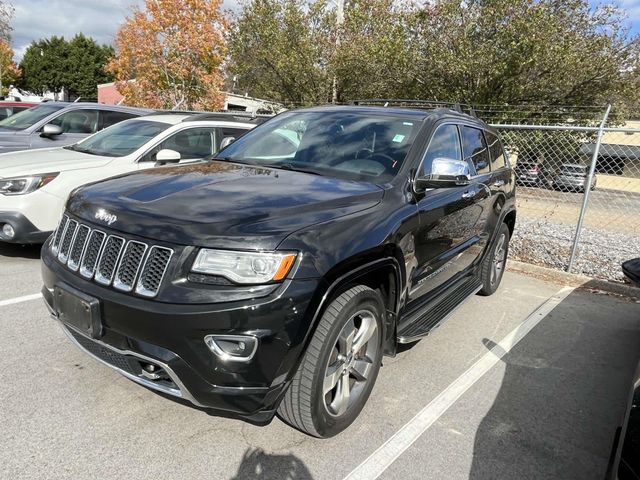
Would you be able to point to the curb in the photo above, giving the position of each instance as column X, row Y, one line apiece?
column 573, row 280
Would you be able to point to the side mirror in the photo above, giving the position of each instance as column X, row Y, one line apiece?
column 167, row 156
column 445, row 173
column 226, row 141
column 51, row 130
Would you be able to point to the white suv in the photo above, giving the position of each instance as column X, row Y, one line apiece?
column 35, row 184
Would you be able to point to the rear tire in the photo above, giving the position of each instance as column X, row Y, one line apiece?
column 495, row 263
column 339, row 368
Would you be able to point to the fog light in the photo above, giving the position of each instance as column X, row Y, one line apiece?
column 8, row 231
column 235, row 348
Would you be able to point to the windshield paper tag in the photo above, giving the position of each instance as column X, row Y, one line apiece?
column 398, row 138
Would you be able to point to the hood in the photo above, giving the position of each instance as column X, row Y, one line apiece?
column 219, row 204
column 13, row 140
column 46, row 160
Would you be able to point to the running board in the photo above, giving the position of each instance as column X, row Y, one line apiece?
column 438, row 313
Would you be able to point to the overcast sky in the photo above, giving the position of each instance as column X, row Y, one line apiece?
column 100, row 19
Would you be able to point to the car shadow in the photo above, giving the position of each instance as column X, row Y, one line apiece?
column 564, row 393
column 22, row 251
column 259, row 465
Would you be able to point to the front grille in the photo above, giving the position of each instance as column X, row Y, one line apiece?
column 111, row 260
column 115, row 359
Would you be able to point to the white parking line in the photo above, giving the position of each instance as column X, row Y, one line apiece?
column 389, row 451
column 26, row 298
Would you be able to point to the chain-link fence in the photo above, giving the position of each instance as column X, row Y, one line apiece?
column 578, row 195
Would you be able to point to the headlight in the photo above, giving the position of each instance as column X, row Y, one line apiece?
column 244, row 267
column 27, row 184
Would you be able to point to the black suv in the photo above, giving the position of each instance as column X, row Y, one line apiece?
column 274, row 277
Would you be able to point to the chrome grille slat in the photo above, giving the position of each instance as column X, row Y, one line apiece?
column 110, row 260
column 129, row 265
column 59, row 232
column 67, row 240
column 92, row 253
column 153, row 271
column 78, row 246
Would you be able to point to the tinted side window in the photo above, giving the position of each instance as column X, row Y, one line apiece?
column 445, row 143
column 498, row 159
column 475, row 149
column 78, row 121
column 193, row 143
column 111, row 118
column 229, row 132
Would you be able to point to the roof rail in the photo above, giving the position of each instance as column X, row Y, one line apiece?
column 229, row 116
column 415, row 103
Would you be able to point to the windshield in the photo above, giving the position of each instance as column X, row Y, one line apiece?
column 29, row 117
column 350, row 145
column 121, row 139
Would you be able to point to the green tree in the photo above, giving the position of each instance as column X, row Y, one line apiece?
column 45, row 65
column 281, row 49
column 77, row 66
column 86, row 66
column 550, row 52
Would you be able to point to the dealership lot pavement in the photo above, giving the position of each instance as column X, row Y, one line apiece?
column 528, row 383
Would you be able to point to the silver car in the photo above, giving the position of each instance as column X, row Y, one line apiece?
column 56, row 124
column 573, row 177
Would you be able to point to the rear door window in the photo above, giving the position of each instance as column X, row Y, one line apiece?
column 475, row 149
column 498, row 157
column 109, row 118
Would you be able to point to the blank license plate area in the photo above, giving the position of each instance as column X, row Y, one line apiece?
column 78, row 310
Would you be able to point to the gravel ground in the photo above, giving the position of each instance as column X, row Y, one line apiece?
column 600, row 253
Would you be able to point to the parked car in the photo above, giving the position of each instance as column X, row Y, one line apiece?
column 35, row 184
column 266, row 280
column 533, row 174
column 54, row 124
column 573, row 177
column 8, row 108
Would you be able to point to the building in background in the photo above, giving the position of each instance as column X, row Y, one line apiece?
column 108, row 94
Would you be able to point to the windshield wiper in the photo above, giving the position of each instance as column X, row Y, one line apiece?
column 289, row 166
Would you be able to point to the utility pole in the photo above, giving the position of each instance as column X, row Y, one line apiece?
column 339, row 22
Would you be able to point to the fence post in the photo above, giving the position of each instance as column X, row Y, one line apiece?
column 587, row 189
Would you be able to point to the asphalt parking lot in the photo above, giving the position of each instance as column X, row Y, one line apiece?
column 529, row 383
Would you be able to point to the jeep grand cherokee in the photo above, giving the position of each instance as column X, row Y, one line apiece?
column 274, row 277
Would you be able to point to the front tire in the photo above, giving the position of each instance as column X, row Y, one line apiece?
column 339, row 368
column 495, row 263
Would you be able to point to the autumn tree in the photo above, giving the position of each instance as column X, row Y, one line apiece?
column 9, row 71
column 170, row 54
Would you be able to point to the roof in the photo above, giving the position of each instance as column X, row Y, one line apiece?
column 13, row 103
column 630, row 152
column 421, row 113
column 170, row 118
column 101, row 106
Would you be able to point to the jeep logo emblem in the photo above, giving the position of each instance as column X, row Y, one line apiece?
column 105, row 216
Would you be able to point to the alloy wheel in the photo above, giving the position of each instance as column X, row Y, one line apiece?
column 350, row 363
column 499, row 259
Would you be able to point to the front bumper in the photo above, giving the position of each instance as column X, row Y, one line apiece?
column 137, row 331
column 25, row 231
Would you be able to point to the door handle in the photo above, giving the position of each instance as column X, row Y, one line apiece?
column 499, row 183
column 469, row 194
